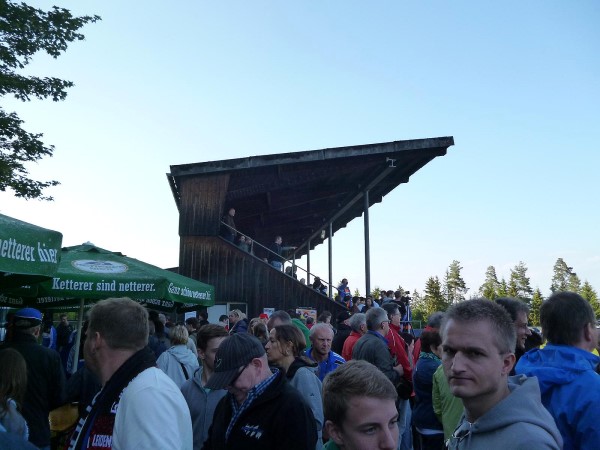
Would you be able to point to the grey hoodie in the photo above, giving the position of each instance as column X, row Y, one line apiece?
column 202, row 403
column 519, row 422
column 171, row 362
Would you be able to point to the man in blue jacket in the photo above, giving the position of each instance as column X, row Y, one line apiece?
column 566, row 368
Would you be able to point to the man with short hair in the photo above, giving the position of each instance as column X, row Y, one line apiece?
column 139, row 406
column 281, row 317
column 360, row 407
column 566, row 368
column 261, row 411
column 321, row 336
column 358, row 325
column 519, row 313
column 275, row 255
column 45, row 376
column 201, row 400
column 478, row 341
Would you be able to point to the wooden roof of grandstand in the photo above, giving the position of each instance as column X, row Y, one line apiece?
column 296, row 195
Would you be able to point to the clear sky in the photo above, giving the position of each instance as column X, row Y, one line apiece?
column 163, row 83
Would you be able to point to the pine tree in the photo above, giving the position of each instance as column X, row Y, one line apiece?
column 574, row 284
column 356, row 292
column 503, row 288
column 560, row 279
column 434, row 299
column 519, row 286
column 489, row 288
column 588, row 292
column 417, row 304
column 536, row 304
column 375, row 293
column 455, row 287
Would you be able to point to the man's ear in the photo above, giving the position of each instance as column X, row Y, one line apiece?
column 334, row 433
column 508, row 362
column 590, row 336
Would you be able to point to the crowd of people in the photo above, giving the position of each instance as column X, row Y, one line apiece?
column 471, row 380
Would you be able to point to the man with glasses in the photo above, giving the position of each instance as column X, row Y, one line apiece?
column 261, row 410
column 519, row 312
column 478, row 342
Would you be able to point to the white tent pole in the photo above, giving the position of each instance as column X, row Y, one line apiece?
column 78, row 338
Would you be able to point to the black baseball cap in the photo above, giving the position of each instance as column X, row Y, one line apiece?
column 235, row 352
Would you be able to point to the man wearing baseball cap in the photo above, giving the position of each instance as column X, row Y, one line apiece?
column 261, row 410
column 45, row 376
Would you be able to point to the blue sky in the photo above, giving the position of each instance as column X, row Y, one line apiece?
column 157, row 84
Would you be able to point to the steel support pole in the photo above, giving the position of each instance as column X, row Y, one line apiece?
column 308, row 264
column 367, row 246
column 330, row 248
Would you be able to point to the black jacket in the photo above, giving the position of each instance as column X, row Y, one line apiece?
column 343, row 331
column 45, row 385
column 277, row 419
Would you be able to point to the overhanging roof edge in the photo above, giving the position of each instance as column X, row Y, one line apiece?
column 307, row 156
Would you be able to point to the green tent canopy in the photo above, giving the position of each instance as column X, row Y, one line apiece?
column 92, row 273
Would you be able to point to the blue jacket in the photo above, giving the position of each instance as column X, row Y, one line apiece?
column 332, row 362
column 570, row 390
column 423, row 415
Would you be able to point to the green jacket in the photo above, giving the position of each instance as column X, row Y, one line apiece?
column 305, row 331
column 448, row 408
column 331, row 445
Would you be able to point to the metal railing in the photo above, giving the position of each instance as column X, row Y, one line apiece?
column 289, row 265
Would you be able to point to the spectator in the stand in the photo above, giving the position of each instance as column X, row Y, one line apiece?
column 319, row 286
column 228, row 230
column 237, row 322
column 243, row 244
column 45, row 376
column 291, row 271
column 344, row 292
column 343, row 331
column 358, row 325
column 285, row 349
column 250, row 245
column 360, row 407
column 202, row 401
column 178, row 362
column 275, row 255
column 321, row 336
column 13, row 384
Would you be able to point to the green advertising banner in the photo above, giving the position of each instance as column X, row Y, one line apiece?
column 28, row 253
